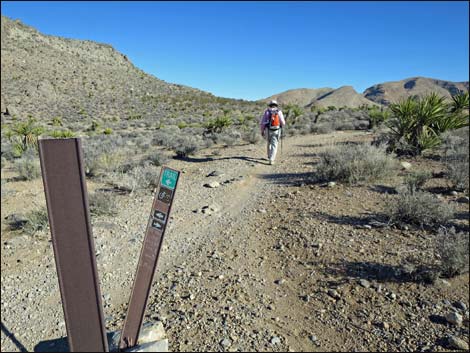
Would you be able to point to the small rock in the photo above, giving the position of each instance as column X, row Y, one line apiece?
column 367, row 226
column 454, row 318
column 331, row 184
column 317, row 245
column 457, row 343
column 385, row 325
column 460, row 305
column 313, row 338
column 463, row 199
column 334, row 294
column 262, row 210
column 226, row 343
column 454, row 193
column 405, row 165
column 365, row 283
column 215, row 173
column 212, row 185
column 275, row 340
column 280, row 281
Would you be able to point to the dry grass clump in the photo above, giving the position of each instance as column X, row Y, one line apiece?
column 355, row 164
column 419, row 208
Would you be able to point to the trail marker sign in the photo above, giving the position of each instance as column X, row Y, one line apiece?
column 156, row 226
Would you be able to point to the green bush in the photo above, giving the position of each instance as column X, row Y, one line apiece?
column 355, row 164
column 57, row 121
column 25, row 136
column 418, row 123
column 218, row 124
column 377, row 117
column 59, row 134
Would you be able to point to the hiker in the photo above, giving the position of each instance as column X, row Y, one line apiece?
column 271, row 126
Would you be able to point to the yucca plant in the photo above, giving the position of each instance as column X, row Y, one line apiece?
column 418, row 123
column 28, row 133
column 58, row 134
column 292, row 112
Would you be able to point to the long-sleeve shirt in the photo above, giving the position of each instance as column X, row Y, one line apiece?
column 264, row 123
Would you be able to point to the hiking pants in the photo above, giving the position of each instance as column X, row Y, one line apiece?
column 273, row 140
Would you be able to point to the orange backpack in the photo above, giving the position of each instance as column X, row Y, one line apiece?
column 274, row 120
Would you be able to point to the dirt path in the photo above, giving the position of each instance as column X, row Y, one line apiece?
column 272, row 264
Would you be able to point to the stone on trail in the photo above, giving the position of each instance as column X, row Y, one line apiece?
column 454, row 318
column 152, row 338
column 212, row 184
column 405, row 165
column 457, row 343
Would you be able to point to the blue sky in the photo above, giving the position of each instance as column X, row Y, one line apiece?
column 251, row 50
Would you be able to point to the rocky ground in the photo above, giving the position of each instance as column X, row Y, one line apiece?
column 264, row 260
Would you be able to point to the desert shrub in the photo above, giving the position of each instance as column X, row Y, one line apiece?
column 355, row 164
column 57, row 121
column 345, row 125
column 32, row 223
column 108, row 131
column 252, row 136
column 103, row 155
column 218, row 124
column 155, row 158
column 322, row 128
column 418, row 208
column 62, row 134
column 139, row 178
column 95, row 125
column 456, row 159
column 452, row 249
column 229, row 138
column 415, row 180
column 185, row 146
column 417, row 123
column 102, row 204
column 28, row 167
column 24, row 136
column 292, row 112
column 377, row 117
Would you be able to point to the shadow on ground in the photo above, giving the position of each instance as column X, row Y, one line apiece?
column 290, row 179
column 62, row 344
column 13, row 338
column 383, row 272
column 214, row 159
column 376, row 220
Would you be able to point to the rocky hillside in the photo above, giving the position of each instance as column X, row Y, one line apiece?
column 47, row 76
column 300, row 96
column 388, row 92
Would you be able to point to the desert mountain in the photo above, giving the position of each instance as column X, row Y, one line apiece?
column 48, row 76
column 344, row 96
column 301, row 96
column 388, row 92
column 382, row 93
